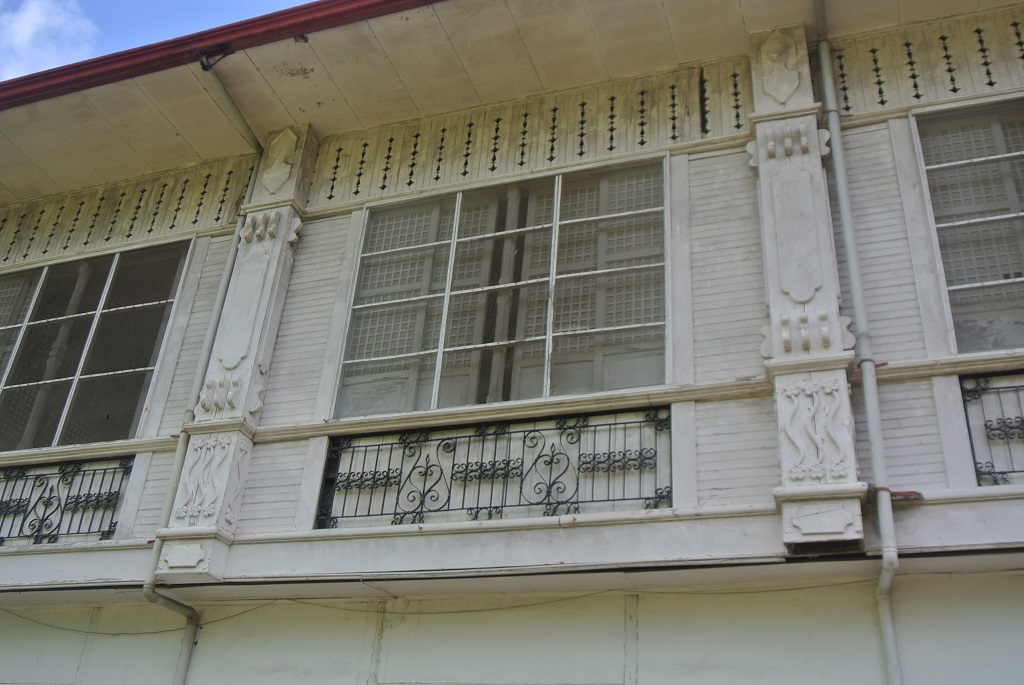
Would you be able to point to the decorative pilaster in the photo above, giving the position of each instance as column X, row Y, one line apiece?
column 217, row 462
column 806, row 345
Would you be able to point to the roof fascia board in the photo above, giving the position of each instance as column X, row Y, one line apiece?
column 223, row 40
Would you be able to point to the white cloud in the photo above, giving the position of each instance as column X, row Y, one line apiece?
column 41, row 34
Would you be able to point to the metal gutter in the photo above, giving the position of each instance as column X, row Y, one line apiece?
column 213, row 43
column 867, row 364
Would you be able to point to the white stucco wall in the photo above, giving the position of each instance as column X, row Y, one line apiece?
column 950, row 629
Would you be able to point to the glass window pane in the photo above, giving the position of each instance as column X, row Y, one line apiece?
column 611, row 243
column 988, row 318
column 15, row 295
column 50, row 350
column 386, row 387
column 29, row 415
column 7, row 340
column 608, row 361
column 395, row 329
column 146, row 276
column 595, row 193
column 505, row 314
column 127, row 339
column 496, row 374
column 401, row 275
column 105, row 408
column 72, row 288
column 410, row 225
column 620, row 299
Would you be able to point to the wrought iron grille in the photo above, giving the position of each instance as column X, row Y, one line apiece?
column 995, row 423
column 45, row 503
column 551, row 467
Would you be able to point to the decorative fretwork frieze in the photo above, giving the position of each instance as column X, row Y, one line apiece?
column 121, row 214
column 931, row 62
column 542, row 468
column 586, row 124
column 44, row 504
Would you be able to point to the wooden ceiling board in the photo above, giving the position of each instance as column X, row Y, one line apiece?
column 193, row 112
column 140, row 123
column 304, row 86
column 356, row 61
column 920, row 10
column 761, row 15
column 561, row 42
column 617, row 26
column 257, row 101
column 488, row 42
column 20, row 176
column 418, row 47
column 846, row 17
column 703, row 29
column 88, row 132
column 47, row 147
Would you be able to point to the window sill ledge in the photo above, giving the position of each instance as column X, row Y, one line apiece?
column 97, row 450
column 634, row 398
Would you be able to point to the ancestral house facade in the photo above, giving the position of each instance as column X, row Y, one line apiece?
column 503, row 342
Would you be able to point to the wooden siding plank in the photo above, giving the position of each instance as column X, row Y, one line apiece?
column 910, row 430
column 886, row 262
column 305, row 324
column 727, row 268
column 272, row 488
column 195, row 333
column 737, row 452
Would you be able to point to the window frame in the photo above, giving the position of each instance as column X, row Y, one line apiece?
column 361, row 218
column 171, row 335
column 975, row 108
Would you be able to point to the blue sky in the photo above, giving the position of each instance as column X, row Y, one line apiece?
column 42, row 34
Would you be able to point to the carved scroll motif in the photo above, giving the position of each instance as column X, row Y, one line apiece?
column 219, row 395
column 205, row 478
column 808, row 330
column 817, row 427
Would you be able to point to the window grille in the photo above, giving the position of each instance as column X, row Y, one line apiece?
column 975, row 167
column 41, row 504
column 994, row 406
column 78, row 346
column 524, row 290
column 548, row 467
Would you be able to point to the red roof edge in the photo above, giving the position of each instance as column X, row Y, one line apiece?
column 224, row 40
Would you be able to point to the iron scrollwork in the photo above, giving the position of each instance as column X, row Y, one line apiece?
column 42, row 504
column 493, row 471
column 995, row 423
column 424, row 487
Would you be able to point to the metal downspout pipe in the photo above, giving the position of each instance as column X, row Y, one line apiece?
column 149, row 590
column 867, row 364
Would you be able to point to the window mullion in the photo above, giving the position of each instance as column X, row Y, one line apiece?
column 436, row 389
column 24, row 326
column 86, row 348
column 552, row 272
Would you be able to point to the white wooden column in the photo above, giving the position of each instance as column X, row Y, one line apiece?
column 806, row 346
column 217, row 462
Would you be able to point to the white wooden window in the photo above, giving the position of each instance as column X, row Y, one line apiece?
column 544, row 287
column 78, row 346
column 975, row 167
